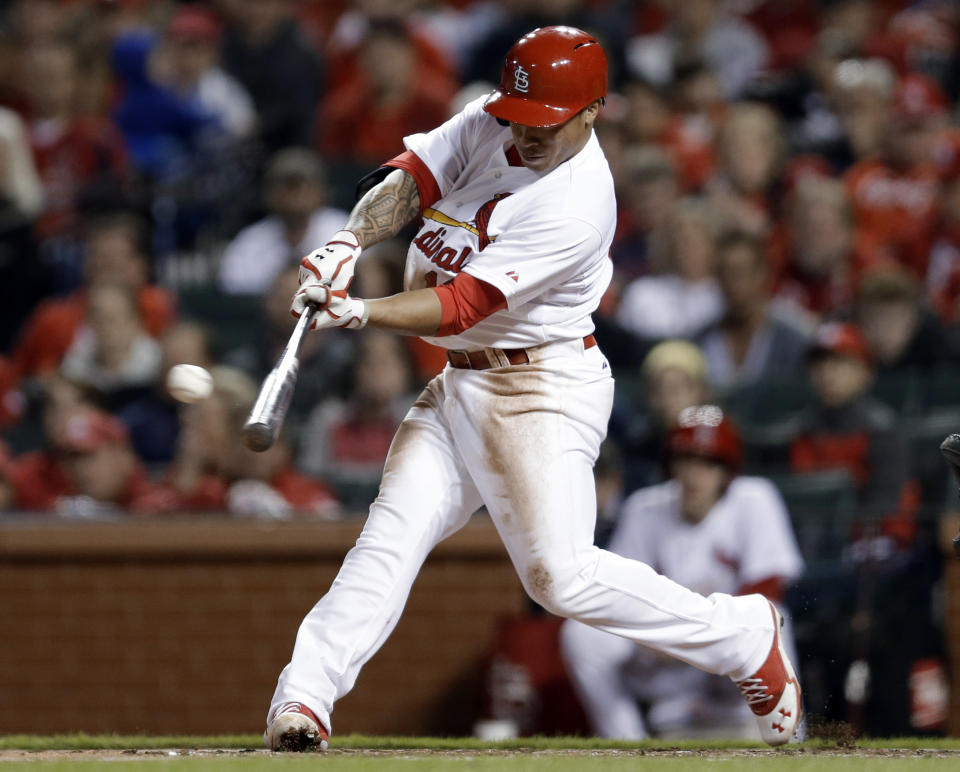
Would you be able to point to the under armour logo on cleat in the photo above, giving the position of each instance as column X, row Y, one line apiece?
column 778, row 727
column 785, row 713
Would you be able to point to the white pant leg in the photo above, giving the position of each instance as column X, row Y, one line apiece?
column 425, row 496
column 595, row 662
column 529, row 435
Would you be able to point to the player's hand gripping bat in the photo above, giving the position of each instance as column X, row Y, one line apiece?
column 266, row 418
column 950, row 448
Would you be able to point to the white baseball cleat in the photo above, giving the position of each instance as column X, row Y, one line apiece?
column 294, row 727
column 773, row 692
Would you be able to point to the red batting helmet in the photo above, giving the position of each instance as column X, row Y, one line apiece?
column 705, row 431
column 549, row 76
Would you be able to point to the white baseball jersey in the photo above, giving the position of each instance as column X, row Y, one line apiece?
column 543, row 239
column 745, row 538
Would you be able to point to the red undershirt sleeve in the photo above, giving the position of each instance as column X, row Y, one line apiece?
column 427, row 185
column 771, row 587
column 465, row 301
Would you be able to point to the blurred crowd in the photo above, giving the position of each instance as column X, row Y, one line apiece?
column 788, row 246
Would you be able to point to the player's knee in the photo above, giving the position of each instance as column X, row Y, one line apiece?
column 552, row 587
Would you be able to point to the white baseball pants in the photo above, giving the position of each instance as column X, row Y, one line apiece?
column 521, row 440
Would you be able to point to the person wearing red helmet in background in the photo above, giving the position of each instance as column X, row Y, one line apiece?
column 517, row 214
column 710, row 529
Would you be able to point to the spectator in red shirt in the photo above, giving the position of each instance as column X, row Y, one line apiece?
column 365, row 119
column 114, row 253
column 894, row 192
column 111, row 351
column 88, row 470
column 80, row 160
column 816, row 255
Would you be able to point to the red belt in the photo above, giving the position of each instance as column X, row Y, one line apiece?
column 478, row 360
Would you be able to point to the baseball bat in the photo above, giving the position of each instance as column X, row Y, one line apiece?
column 266, row 417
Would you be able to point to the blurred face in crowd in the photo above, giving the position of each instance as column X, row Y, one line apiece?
column 649, row 193
column 839, row 379
column 261, row 17
column 888, row 326
column 112, row 255
column 114, row 317
column 648, row 116
column 672, row 390
column 693, row 247
column 821, row 232
column 293, row 198
column 51, row 70
column 38, row 20
column 692, row 18
column 187, row 343
column 102, row 474
column 276, row 303
column 750, row 149
column 855, row 20
column 245, row 464
column 189, row 59
column 700, row 94
column 911, row 142
column 388, row 61
column 382, row 372
column 862, row 91
column 742, row 273
column 542, row 149
column 702, row 483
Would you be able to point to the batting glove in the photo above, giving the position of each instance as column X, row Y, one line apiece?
column 333, row 263
column 337, row 308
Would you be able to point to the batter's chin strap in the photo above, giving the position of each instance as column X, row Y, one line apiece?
column 371, row 180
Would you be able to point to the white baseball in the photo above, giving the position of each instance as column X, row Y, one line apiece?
column 189, row 383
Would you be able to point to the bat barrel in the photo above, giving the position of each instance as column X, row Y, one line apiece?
column 266, row 418
column 258, row 436
column 263, row 424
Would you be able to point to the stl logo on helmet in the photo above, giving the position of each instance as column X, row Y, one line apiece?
column 521, row 80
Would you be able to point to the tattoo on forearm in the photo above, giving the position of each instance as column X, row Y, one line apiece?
column 385, row 209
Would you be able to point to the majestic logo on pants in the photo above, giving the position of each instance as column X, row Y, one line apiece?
column 521, row 80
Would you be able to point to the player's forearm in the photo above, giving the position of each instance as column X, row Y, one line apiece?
column 385, row 209
column 417, row 312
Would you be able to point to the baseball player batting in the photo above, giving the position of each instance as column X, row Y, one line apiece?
column 517, row 214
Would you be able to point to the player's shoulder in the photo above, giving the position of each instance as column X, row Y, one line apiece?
column 751, row 486
column 478, row 122
column 652, row 501
column 751, row 496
